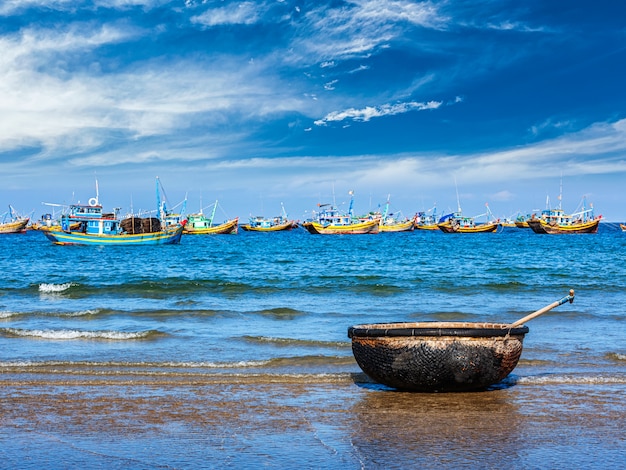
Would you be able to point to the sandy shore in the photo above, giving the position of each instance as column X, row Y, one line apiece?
column 303, row 422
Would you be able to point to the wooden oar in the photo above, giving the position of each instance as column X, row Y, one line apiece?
column 569, row 298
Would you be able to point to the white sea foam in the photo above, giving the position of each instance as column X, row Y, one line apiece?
column 8, row 314
column 81, row 313
column 582, row 379
column 77, row 334
column 215, row 365
column 55, row 288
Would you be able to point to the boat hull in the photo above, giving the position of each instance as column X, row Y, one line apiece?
column 542, row 227
column 275, row 228
column 369, row 227
column 399, row 227
column 227, row 228
column 17, row 226
column 447, row 227
column 169, row 236
column 426, row 227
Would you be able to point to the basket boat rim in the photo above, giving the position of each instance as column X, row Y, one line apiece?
column 435, row 329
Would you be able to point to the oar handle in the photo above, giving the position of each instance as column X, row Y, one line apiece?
column 568, row 298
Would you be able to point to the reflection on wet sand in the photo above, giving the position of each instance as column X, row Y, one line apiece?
column 301, row 422
column 431, row 429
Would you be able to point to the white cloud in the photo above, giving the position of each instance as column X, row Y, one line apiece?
column 369, row 112
column 235, row 13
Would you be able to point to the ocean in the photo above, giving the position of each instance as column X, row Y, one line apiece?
column 232, row 351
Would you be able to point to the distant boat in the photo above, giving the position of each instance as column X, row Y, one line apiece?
column 89, row 225
column 521, row 221
column 426, row 220
column 555, row 221
column 330, row 221
column 391, row 222
column 395, row 225
column 13, row 223
column 623, row 227
column 273, row 224
column 200, row 224
column 457, row 223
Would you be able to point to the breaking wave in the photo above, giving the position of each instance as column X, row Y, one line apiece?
column 78, row 334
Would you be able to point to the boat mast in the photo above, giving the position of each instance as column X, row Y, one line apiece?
column 213, row 214
column 350, row 210
column 386, row 211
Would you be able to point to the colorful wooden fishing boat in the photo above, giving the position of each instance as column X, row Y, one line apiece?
column 457, row 223
column 263, row 224
column 393, row 222
column 13, row 223
column 555, row 221
column 330, row 221
column 199, row 224
column 426, row 220
column 273, row 224
column 18, row 226
column 89, row 225
column 98, row 228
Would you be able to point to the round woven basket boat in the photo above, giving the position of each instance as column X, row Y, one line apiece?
column 437, row 356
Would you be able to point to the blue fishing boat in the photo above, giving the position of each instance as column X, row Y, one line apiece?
column 89, row 225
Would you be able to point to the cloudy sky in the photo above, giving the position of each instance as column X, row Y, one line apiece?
column 258, row 103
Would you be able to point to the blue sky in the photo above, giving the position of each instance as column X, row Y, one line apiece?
column 260, row 103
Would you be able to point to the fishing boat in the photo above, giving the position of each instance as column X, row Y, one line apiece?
column 521, row 221
column 328, row 220
column 555, row 221
column 395, row 222
column 392, row 224
column 90, row 225
column 200, row 224
column 49, row 221
column 623, row 227
column 426, row 220
column 273, row 224
column 457, row 223
column 12, row 222
column 264, row 224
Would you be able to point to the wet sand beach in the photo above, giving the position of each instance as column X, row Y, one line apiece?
column 308, row 421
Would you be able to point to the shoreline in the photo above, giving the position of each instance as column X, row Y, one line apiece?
column 181, row 423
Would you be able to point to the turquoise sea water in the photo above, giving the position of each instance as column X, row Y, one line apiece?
column 253, row 309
